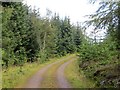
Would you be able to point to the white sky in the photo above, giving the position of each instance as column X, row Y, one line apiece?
column 75, row 9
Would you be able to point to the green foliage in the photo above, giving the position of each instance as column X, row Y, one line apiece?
column 65, row 42
column 96, row 52
column 28, row 37
column 108, row 17
column 100, row 60
column 96, row 59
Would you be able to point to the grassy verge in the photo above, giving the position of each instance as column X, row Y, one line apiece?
column 76, row 77
column 16, row 77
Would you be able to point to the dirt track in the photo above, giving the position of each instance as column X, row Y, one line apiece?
column 51, row 76
column 62, row 82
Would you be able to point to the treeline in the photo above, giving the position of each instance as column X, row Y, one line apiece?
column 100, row 61
column 28, row 37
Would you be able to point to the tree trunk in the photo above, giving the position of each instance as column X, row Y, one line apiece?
column 44, row 41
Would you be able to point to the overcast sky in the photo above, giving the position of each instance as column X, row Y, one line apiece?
column 75, row 9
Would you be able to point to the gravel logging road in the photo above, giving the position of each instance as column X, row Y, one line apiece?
column 51, row 76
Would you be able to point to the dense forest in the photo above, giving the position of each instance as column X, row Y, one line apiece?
column 101, row 60
column 28, row 37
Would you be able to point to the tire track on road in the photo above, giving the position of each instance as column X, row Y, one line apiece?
column 39, row 80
